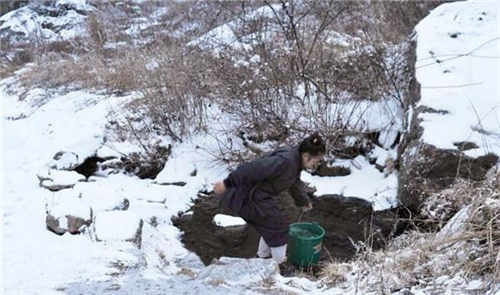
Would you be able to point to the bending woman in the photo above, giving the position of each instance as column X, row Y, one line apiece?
column 249, row 190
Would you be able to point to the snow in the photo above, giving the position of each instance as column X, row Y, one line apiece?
column 71, row 207
column 239, row 271
column 116, row 225
column 458, row 69
column 100, row 196
column 375, row 188
column 28, row 145
column 37, row 128
column 226, row 220
column 58, row 177
column 30, row 23
column 225, row 36
column 64, row 161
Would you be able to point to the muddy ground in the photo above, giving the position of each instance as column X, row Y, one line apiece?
column 343, row 218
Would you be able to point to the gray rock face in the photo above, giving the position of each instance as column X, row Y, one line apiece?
column 425, row 168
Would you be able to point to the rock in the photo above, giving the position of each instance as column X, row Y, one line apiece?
column 64, row 161
column 69, row 216
column 425, row 169
column 456, row 226
column 239, row 271
column 177, row 171
column 102, row 197
column 118, row 226
column 43, row 175
column 325, row 170
column 448, row 134
column 179, row 183
column 55, row 180
column 465, row 145
column 53, row 225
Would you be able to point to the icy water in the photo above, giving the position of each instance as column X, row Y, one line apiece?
column 303, row 232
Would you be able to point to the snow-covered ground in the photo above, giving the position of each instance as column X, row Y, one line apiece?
column 75, row 123
column 37, row 261
column 458, row 67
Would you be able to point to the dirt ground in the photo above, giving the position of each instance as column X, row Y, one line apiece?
column 343, row 218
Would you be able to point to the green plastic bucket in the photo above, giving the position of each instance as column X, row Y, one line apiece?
column 304, row 245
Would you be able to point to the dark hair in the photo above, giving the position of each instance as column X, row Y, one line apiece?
column 314, row 145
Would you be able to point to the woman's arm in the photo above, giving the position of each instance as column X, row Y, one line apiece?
column 299, row 194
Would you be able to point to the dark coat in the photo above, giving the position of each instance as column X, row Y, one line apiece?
column 251, row 186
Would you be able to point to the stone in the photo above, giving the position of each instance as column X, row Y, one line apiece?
column 56, row 180
column 118, row 226
column 64, row 161
column 102, row 197
column 425, row 169
column 69, row 216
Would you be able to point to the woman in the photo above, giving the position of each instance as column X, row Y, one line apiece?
column 249, row 191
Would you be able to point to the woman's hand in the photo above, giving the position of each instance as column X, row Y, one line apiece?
column 308, row 207
column 219, row 188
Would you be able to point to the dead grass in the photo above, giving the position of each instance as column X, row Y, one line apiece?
column 467, row 247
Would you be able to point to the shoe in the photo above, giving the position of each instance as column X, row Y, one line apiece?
column 287, row 270
column 257, row 256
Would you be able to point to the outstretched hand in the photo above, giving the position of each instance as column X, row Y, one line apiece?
column 308, row 207
column 219, row 188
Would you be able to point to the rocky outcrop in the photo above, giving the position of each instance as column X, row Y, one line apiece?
column 118, row 226
column 425, row 168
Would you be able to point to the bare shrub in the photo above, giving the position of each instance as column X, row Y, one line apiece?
column 467, row 247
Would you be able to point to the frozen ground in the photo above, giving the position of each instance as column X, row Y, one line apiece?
column 463, row 36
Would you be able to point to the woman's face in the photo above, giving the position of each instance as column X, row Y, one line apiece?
column 309, row 161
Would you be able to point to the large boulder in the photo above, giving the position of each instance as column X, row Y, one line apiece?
column 426, row 169
column 118, row 226
column 452, row 128
column 102, row 197
column 56, row 180
column 64, row 161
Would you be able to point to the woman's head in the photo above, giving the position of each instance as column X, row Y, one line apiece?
column 312, row 150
